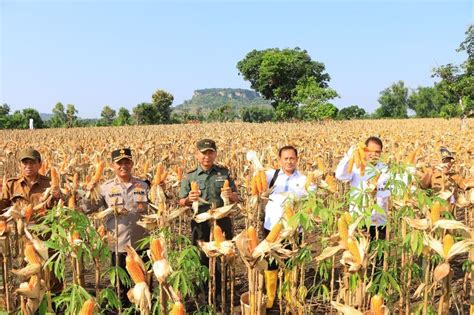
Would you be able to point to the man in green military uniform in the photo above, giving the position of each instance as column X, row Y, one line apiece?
column 210, row 178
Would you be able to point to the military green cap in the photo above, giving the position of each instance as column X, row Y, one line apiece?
column 120, row 154
column 29, row 154
column 446, row 154
column 206, row 144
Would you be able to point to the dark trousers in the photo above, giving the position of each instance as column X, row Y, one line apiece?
column 382, row 233
column 202, row 232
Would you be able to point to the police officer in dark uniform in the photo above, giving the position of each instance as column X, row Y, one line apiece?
column 210, row 179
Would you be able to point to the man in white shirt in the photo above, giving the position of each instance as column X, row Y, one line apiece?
column 287, row 184
column 361, row 183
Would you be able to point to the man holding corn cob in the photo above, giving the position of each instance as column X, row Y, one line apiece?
column 128, row 195
column 286, row 184
column 353, row 169
column 206, row 187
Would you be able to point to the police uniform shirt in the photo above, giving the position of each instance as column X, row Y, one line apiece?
column 17, row 191
column 210, row 184
column 131, row 196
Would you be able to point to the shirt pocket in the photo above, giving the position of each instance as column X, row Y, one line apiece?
column 115, row 200
column 139, row 196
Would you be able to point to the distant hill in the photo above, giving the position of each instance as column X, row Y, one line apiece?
column 46, row 117
column 209, row 99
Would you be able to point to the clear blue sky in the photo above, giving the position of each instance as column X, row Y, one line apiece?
column 117, row 53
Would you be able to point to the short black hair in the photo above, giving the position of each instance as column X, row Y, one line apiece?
column 287, row 147
column 374, row 139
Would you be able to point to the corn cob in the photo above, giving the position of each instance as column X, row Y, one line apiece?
column 101, row 230
column 87, row 307
column 350, row 165
column 179, row 173
column 28, row 213
column 218, row 236
column 194, row 186
column 309, row 180
column 259, row 183
column 134, row 269
column 347, row 217
column 71, row 202
column 376, row 303
column 254, row 186
column 30, row 254
column 435, row 212
column 354, row 250
column 411, row 157
column 331, row 183
column 252, row 236
column 3, row 226
column 263, row 180
column 320, row 164
column 226, row 184
column 156, row 249
column 99, row 168
column 448, row 242
column 274, row 233
column 288, row 212
column 54, row 178
column 178, row 309
column 343, row 231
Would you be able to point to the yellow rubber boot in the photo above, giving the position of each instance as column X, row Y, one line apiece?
column 271, row 278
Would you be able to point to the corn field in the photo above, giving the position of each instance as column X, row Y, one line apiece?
column 423, row 266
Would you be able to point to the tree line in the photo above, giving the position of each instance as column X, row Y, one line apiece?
column 298, row 89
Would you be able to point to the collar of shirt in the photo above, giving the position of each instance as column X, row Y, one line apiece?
column 200, row 170
column 132, row 182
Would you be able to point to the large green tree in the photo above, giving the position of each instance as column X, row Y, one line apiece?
column 107, row 116
column 276, row 73
column 31, row 113
column 351, row 112
column 59, row 116
column 458, row 80
column 393, row 102
column 71, row 117
column 4, row 115
column 313, row 100
column 162, row 101
column 144, row 114
column 123, row 117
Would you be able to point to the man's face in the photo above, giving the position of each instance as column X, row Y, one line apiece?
column 447, row 164
column 373, row 152
column 288, row 161
column 30, row 167
column 123, row 168
column 206, row 159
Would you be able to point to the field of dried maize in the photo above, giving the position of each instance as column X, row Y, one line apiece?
column 426, row 267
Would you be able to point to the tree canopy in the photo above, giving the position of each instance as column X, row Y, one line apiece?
column 276, row 74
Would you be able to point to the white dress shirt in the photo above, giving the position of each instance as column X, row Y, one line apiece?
column 360, row 184
column 285, row 188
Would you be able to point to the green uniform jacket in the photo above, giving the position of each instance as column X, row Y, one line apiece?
column 210, row 183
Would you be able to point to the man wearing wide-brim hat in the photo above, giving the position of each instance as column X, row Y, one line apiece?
column 443, row 178
column 130, row 196
column 29, row 186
